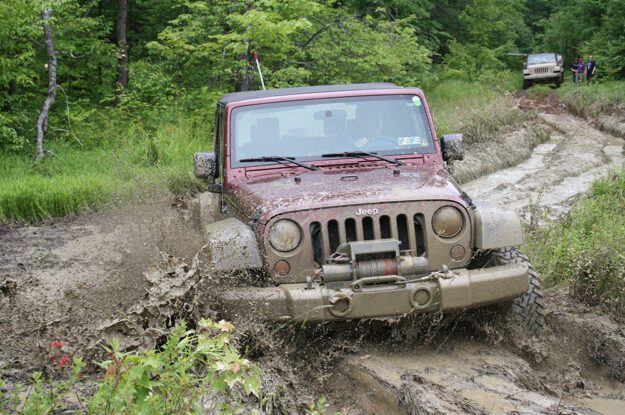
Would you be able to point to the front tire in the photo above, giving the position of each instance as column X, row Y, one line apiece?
column 526, row 84
column 529, row 308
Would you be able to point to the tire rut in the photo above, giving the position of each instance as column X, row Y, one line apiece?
column 557, row 172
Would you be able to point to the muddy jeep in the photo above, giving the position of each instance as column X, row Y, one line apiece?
column 338, row 201
column 543, row 68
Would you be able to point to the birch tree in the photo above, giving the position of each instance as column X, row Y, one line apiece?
column 42, row 121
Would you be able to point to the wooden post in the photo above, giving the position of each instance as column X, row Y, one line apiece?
column 42, row 121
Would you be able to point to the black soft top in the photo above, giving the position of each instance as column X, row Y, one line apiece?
column 242, row 96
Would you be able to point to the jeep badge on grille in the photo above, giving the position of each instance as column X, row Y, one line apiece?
column 366, row 212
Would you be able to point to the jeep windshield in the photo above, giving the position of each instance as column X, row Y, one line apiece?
column 541, row 58
column 308, row 129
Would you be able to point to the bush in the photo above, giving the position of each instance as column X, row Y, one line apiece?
column 195, row 371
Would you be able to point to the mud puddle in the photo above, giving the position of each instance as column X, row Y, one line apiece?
column 470, row 375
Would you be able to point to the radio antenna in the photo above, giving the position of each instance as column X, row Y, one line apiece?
column 255, row 56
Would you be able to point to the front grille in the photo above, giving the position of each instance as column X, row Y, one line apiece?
column 542, row 70
column 409, row 229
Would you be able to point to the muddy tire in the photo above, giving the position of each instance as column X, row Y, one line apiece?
column 528, row 308
column 526, row 84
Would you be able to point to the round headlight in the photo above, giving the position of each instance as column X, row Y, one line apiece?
column 447, row 222
column 284, row 235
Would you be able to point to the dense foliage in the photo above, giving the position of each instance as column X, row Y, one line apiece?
column 184, row 53
column 109, row 135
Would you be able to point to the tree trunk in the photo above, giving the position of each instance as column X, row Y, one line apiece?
column 10, row 92
column 42, row 121
column 122, row 58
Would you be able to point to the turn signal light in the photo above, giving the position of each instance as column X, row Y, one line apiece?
column 282, row 268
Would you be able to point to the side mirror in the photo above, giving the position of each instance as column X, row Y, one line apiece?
column 205, row 166
column 453, row 147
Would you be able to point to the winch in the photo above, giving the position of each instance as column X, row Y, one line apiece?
column 364, row 259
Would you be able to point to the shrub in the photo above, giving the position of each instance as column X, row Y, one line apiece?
column 194, row 371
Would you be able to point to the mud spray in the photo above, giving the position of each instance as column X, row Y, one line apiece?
column 132, row 273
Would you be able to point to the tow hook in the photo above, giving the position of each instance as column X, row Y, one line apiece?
column 341, row 305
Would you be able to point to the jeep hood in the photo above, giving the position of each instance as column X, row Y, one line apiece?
column 262, row 198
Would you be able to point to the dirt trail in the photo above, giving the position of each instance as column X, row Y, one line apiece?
column 557, row 172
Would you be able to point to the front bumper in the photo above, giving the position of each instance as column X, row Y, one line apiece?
column 456, row 289
column 544, row 77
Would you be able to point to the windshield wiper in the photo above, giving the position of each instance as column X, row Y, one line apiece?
column 280, row 159
column 363, row 154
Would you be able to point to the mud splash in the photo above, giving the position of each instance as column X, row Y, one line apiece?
column 71, row 275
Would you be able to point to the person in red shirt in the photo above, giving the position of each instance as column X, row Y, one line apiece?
column 581, row 70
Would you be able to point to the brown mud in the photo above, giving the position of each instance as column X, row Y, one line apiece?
column 558, row 171
column 70, row 276
column 120, row 273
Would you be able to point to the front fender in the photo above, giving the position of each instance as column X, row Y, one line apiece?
column 496, row 227
column 232, row 246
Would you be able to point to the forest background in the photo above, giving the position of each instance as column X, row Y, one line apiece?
column 137, row 80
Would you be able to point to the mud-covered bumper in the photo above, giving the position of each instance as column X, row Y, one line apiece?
column 458, row 289
column 542, row 77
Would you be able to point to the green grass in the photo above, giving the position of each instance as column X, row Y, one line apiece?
column 78, row 179
column 587, row 247
column 588, row 100
column 479, row 110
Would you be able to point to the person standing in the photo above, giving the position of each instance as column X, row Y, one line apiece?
column 581, row 70
column 574, row 68
column 591, row 68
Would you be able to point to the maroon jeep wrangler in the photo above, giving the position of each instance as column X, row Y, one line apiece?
column 338, row 201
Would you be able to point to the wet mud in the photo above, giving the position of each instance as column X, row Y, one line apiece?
column 132, row 273
column 71, row 276
column 558, row 171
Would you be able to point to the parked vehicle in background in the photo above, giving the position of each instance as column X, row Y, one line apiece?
column 336, row 203
column 543, row 68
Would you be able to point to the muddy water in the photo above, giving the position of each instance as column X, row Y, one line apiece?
column 570, row 369
column 557, row 172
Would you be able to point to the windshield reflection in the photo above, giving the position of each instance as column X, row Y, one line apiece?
column 389, row 124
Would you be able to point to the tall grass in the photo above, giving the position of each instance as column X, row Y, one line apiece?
column 479, row 110
column 77, row 179
column 587, row 248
